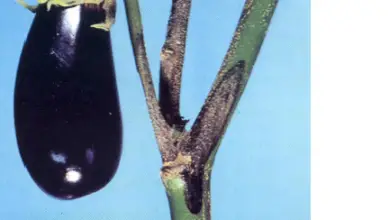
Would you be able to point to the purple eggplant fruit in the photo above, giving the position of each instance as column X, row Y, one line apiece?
column 66, row 106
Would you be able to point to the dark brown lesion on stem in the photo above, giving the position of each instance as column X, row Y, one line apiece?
column 194, row 190
column 208, row 129
column 172, row 59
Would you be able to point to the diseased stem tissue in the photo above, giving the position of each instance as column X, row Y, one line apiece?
column 188, row 156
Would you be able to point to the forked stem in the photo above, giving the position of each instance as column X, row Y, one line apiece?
column 188, row 156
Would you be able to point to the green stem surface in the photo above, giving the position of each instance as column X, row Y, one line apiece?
column 245, row 46
column 175, row 187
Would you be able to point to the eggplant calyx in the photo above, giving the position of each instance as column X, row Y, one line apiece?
column 109, row 7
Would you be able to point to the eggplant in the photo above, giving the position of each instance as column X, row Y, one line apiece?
column 66, row 107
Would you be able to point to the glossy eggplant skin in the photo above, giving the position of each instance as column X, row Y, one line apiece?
column 66, row 107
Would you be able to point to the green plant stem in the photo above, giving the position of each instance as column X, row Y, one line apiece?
column 245, row 46
column 175, row 187
column 188, row 156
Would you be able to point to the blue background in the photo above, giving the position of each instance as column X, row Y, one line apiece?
column 268, row 135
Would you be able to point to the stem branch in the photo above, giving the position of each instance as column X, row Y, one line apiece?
column 162, row 129
column 172, row 59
